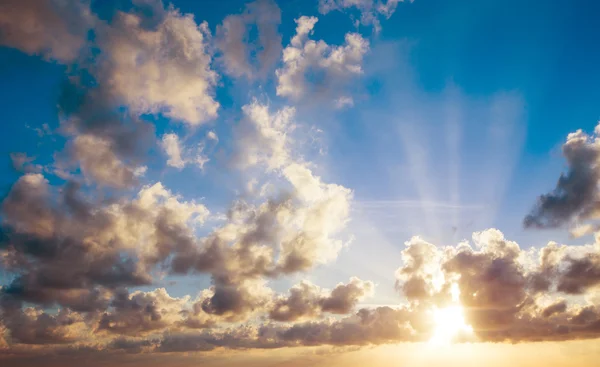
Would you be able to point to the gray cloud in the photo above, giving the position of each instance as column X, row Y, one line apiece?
column 63, row 246
column 141, row 312
column 54, row 29
column 307, row 300
column 575, row 197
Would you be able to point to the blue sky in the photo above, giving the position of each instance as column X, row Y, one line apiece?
column 457, row 123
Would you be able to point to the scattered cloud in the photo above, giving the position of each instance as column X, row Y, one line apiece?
column 179, row 156
column 314, row 70
column 242, row 57
column 370, row 10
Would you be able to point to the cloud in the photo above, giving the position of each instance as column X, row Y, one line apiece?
column 33, row 326
column 307, row 300
column 503, row 288
column 263, row 137
column 315, row 70
column 100, row 164
column 65, row 249
column 491, row 278
column 343, row 102
column 180, row 157
column 251, row 59
column 23, row 163
column 575, row 197
column 139, row 313
column 370, row 10
column 170, row 143
column 55, row 29
column 162, row 67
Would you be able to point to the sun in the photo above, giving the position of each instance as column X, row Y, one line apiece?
column 449, row 322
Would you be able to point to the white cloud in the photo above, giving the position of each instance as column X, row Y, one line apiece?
column 162, row 69
column 333, row 67
column 263, row 137
column 170, row 143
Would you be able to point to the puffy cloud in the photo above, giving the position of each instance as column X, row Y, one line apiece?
column 576, row 196
column 33, row 326
column 235, row 300
column 307, row 300
column 251, row 59
column 67, row 250
column 316, row 70
column 170, row 143
column 159, row 65
column 420, row 277
column 506, row 294
column 100, row 164
column 142, row 312
column 263, row 137
column 55, row 29
column 370, row 10
column 366, row 327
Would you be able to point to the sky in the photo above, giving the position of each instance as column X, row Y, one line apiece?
column 299, row 183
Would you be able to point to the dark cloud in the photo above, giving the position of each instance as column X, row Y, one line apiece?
column 141, row 312
column 60, row 245
column 34, row 326
column 575, row 197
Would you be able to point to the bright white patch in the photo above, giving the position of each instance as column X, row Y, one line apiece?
column 449, row 321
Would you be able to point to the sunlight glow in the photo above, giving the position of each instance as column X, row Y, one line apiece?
column 449, row 321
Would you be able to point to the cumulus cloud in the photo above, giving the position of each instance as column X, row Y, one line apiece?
column 139, row 313
column 99, row 163
column 263, row 137
column 492, row 278
column 307, row 300
column 251, row 59
column 33, row 326
column 68, row 250
column 55, row 29
column 576, row 196
column 315, row 70
column 161, row 67
column 503, row 288
column 370, row 10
